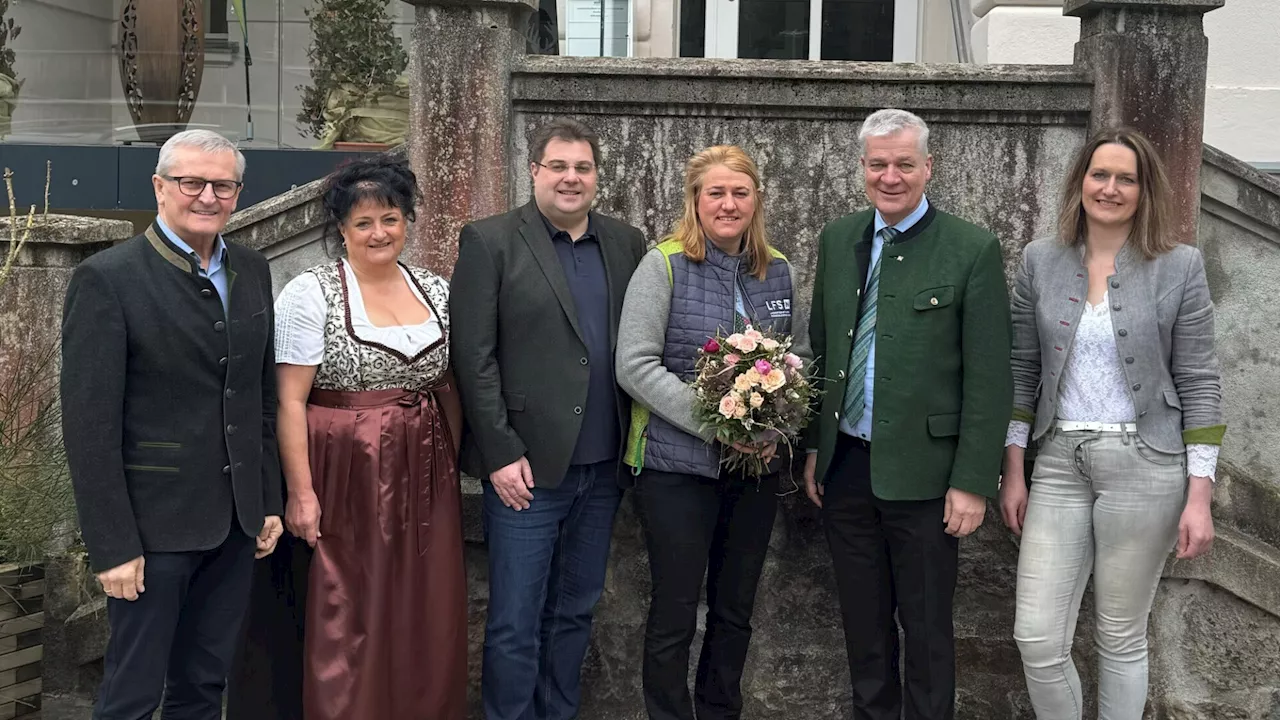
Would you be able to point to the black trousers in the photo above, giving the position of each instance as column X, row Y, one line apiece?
column 891, row 556
column 266, row 679
column 695, row 525
column 177, row 639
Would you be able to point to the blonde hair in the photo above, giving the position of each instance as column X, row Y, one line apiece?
column 688, row 230
column 1152, row 231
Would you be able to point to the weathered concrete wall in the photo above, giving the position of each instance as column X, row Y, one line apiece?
column 31, row 299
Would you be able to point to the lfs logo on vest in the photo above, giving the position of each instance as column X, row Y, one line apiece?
column 779, row 308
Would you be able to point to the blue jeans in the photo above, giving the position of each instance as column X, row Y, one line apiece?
column 546, row 572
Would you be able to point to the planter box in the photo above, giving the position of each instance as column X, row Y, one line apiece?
column 21, row 620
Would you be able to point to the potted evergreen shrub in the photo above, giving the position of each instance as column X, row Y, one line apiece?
column 359, row 94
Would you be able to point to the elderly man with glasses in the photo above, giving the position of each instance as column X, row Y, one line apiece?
column 168, row 398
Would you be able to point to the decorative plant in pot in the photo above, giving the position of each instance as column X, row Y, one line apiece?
column 9, row 82
column 359, row 93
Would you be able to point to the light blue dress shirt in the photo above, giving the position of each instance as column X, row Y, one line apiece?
column 863, row 428
column 217, row 270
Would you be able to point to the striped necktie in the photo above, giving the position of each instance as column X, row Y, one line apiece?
column 855, row 390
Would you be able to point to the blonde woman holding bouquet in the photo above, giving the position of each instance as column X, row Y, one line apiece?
column 714, row 276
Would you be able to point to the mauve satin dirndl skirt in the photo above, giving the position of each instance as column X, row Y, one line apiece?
column 386, row 622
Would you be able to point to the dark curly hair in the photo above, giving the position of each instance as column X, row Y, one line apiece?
column 384, row 179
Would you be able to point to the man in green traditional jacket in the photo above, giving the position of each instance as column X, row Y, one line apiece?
column 910, row 327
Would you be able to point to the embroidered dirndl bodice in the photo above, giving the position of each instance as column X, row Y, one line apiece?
column 353, row 364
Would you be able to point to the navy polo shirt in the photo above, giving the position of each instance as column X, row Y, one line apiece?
column 583, row 262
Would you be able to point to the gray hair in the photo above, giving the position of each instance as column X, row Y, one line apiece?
column 204, row 140
column 891, row 121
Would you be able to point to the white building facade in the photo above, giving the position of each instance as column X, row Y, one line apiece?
column 1242, row 107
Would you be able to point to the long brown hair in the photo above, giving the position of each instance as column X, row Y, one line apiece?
column 1152, row 231
column 688, row 229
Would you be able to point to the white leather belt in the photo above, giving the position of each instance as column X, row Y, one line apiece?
column 1077, row 425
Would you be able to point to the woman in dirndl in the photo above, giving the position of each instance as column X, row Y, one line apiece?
column 368, row 425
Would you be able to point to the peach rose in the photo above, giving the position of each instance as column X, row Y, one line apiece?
column 774, row 380
column 753, row 376
column 734, row 340
column 747, row 343
column 742, row 382
column 729, row 405
column 756, row 400
column 769, row 344
column 754, row 334
column 740, row 412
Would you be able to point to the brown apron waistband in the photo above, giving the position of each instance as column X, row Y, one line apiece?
column 362, row 399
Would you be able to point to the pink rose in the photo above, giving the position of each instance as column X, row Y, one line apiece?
column 747, row 343
column 729, row 405
column 753, row 334
column 763, row 367
column 711, row 347
column 769, row 344
column 731, row 359
column 734, row 340
column 794, row 361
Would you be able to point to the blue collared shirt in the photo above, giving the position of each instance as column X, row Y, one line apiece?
column 863, row 428
column 217, row 270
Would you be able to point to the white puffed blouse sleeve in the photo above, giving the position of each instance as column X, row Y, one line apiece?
column 300, row 317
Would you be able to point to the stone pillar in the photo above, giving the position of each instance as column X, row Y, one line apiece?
column 460, row 117
column 31, row 297
column 1149, row 60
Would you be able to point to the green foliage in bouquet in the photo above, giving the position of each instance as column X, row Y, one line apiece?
column 354, row 46
column 752, row 391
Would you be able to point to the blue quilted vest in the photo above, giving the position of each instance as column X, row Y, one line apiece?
column 702, row 307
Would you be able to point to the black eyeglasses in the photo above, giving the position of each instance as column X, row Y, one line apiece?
column 194, row 186
column 560, row 167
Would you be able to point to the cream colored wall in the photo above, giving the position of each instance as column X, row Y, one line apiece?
column 1242, row 98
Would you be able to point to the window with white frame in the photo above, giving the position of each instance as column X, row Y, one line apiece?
column 867, row 30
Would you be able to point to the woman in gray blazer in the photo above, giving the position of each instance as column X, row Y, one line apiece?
column 1115, row 375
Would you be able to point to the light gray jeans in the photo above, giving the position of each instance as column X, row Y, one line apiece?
column 1106, row 504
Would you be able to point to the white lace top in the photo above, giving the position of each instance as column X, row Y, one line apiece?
column 1094, row 387
column 301, row 310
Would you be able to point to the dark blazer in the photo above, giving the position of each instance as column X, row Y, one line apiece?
column 942, row 353
column 519, row 357
column 168, row 404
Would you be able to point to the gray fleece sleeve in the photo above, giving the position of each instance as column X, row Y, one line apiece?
column 642, row 334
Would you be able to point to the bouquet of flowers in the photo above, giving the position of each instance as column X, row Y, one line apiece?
column 752, row 390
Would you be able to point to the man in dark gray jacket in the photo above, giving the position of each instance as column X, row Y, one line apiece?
column 169, row 403
column 538, row 292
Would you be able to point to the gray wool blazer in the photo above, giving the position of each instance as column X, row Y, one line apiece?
column 1162, row 318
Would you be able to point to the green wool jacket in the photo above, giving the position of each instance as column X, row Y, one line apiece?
column 943, row 386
